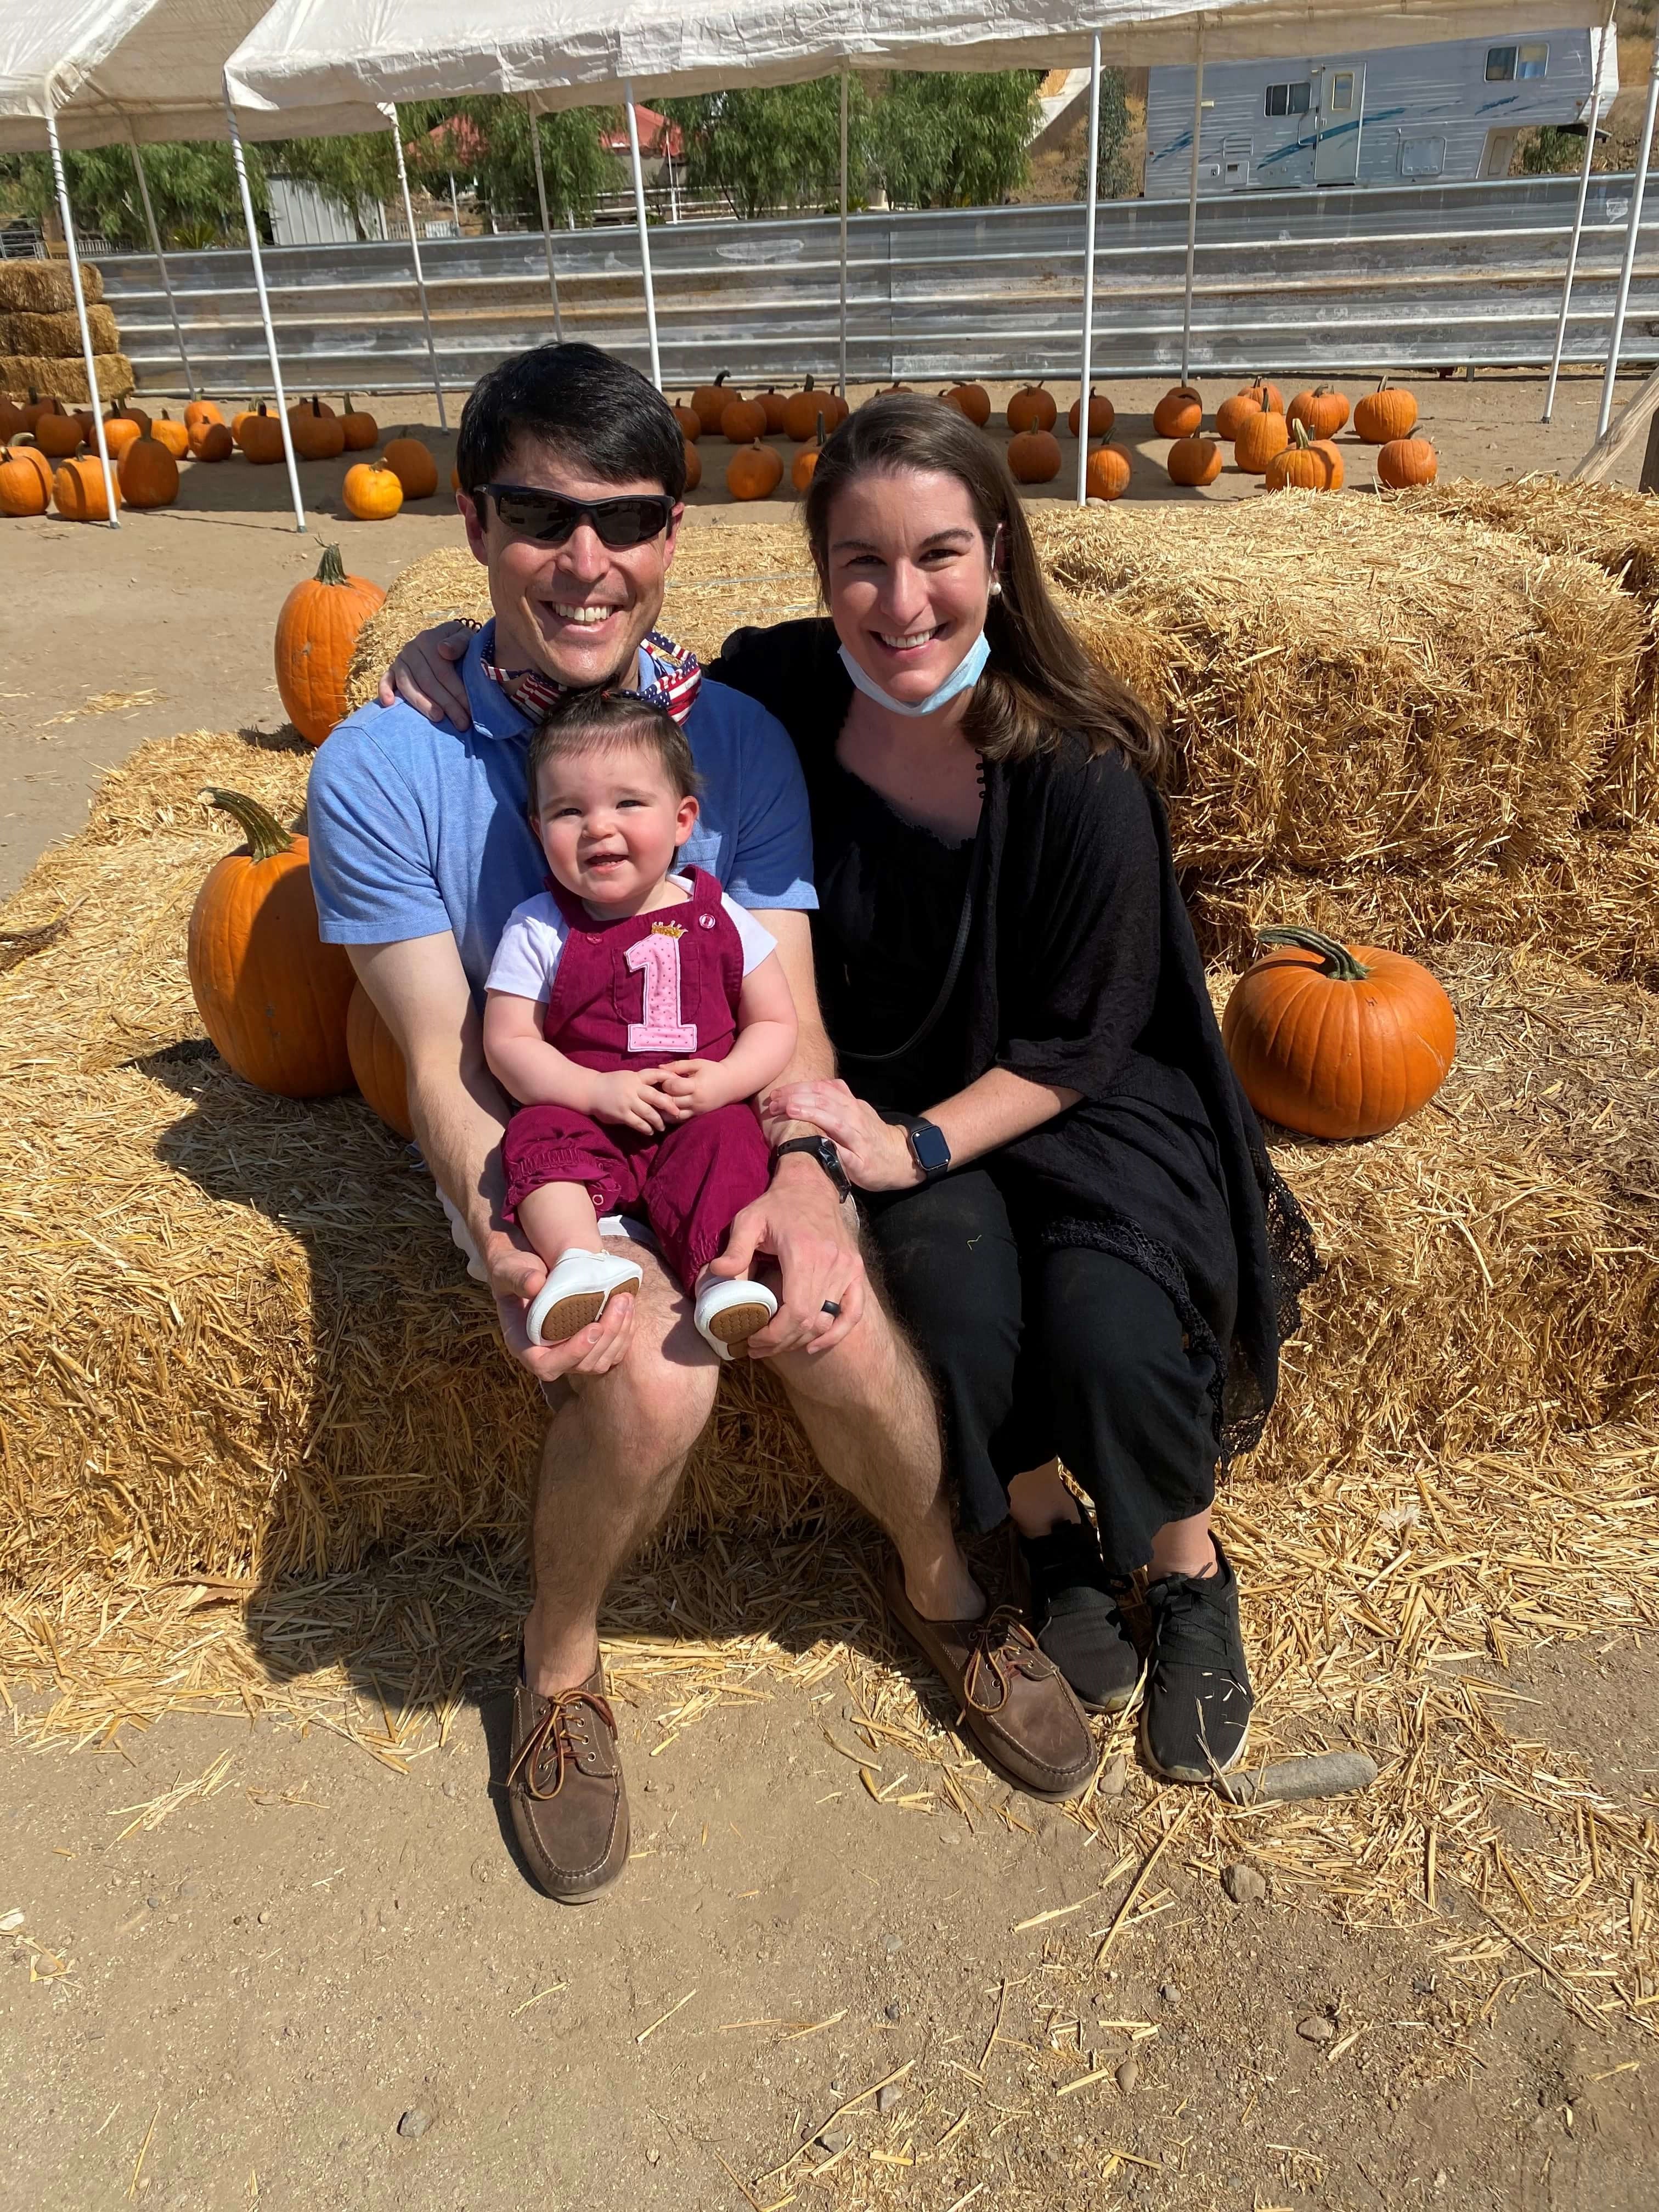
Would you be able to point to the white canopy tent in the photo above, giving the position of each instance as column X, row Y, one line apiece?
column 561, row 53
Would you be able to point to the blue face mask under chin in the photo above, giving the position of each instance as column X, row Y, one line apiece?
column 962, row 677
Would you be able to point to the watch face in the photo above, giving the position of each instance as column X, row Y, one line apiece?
column 932, row 1152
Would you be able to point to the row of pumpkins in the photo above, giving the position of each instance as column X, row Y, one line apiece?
column 145, row 453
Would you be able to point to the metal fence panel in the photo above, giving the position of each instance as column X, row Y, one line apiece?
column 1350, row 281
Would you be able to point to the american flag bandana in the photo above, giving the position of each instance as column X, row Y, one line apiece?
column 676, row 679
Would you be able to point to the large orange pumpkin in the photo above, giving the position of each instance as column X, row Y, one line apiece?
column 11, row 419
column 774, row 404
column 358, row 428
column 1248, row 400
column 692, row 464
column 261, row 438
column 24, row 480
column 1385, row 414
column 802, row 408
column 316, row 632
column 372, row 492
column 119, row 432
column 1405, row 461
column 742, row 421
column 1108, row 474
column 201, row 411
column 1101, row 415
column 57, row 435
column 378, row 1066
column 210, row 442
column 1258, row 437
column 127, row 412
column 754, row 472
column 1180, row 413
column 1034, row 456
column 806, row 461
column 1324, row 409
column 710, row 401
column 972, row 400
column 1306, row 463
column 319, row 435
column 1195, row 461
column 36, row 407
column 1032, row 408
column 173, row 435
column 1335, row 1040
column 149, row 475
column 690, row 421
column 272, row 996
column 413, row 466
column 79, row 492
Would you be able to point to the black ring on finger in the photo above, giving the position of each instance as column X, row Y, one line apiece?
column 831, row 1308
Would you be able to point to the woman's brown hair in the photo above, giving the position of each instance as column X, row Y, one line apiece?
column 1039, row 683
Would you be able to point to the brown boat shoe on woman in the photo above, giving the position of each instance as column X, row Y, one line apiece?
column 564, row 1788
column 1014, row 1701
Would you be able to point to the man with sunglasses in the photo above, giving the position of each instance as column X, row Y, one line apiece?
column 572, row 471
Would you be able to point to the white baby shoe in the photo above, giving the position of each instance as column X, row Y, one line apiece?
column 730, row 1309
column 577, row 1291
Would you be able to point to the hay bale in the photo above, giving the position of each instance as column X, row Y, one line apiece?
column 238, row 1342
column 58, row 337
column 45, row 287
column 66, row 379
column 1619, row 531
column 1347, row 683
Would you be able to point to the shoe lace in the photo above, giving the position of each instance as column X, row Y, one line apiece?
column 1000, row 1646
column 560, row 1733
column 1189, row 1627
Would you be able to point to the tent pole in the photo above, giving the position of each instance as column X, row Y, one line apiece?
column 62, row 182
column 844, row 77
column 286, row 428
column 1089, row 274
column 161, row 258
column 1578, row 214
column 1192, row 208
column 645, row 236
column 415, row 255
column 547, row 236
column 1638, row 186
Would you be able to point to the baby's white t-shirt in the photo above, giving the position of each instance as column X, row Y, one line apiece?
column 527, row 958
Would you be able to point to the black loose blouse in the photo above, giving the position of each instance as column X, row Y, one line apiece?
column 1082, row 972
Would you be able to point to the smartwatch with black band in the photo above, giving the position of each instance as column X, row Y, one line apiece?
column 929, row 1147
column 826, row 1156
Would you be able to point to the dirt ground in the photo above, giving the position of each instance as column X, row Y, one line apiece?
column 301, row 1979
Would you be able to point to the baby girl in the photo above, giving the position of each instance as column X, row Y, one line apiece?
column 634, row 1012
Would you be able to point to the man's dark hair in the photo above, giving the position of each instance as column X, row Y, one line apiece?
column 580, row 403
column 606, row 721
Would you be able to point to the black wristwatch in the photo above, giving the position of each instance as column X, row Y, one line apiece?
column 929, row 1147
column 826, row 1156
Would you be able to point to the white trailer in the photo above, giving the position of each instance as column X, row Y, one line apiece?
column 1442, row 112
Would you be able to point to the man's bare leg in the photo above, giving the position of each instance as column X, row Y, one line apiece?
column 612, row 1461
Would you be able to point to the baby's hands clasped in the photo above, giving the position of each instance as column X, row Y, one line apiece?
column 698, row 1085
column 638, row 1099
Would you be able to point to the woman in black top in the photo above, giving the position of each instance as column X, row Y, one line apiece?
column 1068, row 1194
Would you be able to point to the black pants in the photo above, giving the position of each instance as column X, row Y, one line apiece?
column 1036, row 1353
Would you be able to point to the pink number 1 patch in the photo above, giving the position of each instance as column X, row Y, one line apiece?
column 662, row 1030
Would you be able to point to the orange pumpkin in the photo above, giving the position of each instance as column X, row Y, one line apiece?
column 710, row 401
column 377, row 1064
column 262, row 438
column 149, row 475
column 1195, row 461
column 742, row 421
column 1306, row 463
column 413, row 466
column 1032, row 408
column 1260, row 436
column 754, row 472
column 272, row 996
column 11, row 419
column 173, row 435
column 57, row 435
column 239, row 422
column 372, row 491
column 690, row 421
column 802, row 408
column 1034, row 456
column 211, row 441
column 1108, row 474
column 320, row 437
column 1335, row 1040
column 692, row 464
column 36, row 408
column 119, row 433
column 24, row 480
column 1385, row 414
column 1101, row 415
column 358, row 428
column 127, row 412
column 201, row 411
column 78, row 491
column 972, row 400
column 316, row 632
column 806, row 461
column 1405, row 461
column 1180, row 413
column 775, row 405
column 1324, row 410
column 312, row 406
column 1250, row 399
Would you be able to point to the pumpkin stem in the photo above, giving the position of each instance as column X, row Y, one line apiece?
column 1301, row 430
column 820, row 426
column 1338, row 961
column 330, row 569
column 266, row 837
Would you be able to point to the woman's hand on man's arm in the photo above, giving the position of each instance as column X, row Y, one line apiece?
column 875, row 1154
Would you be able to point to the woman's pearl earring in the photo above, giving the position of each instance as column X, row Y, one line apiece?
column 996, row 588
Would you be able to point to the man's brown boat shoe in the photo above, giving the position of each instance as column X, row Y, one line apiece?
column 564, row 1787
column 1014, row 1701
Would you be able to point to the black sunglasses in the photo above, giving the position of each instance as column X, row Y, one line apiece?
column 551, row 519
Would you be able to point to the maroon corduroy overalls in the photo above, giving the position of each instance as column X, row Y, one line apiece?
column 656, row 987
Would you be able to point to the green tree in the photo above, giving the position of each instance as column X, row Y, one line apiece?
column 953, row 139
column 487, row 143
column 193, row 188
column 1117, row 180
column 775, row 146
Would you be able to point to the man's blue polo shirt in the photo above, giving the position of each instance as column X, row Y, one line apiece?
column 416, row 827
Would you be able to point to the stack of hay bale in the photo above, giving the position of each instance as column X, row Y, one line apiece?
column 40, row 335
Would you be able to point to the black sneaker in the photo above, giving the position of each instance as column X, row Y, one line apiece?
column 1195, row 1718
column 1074, row 1610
